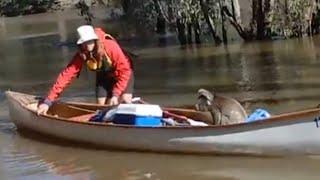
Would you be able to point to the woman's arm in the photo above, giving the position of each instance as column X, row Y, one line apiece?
column 64, row 78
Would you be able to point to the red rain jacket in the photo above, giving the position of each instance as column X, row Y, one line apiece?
column 119, row 61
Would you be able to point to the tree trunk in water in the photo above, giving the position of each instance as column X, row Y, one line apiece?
column 254, row 12
column 126, row 4
column 268, row 4
column 196, row 28
column 223, row 28
column 161, row 23
column 246, row 34
column 189, row 34
column 315, row 24
column 310, row 16
column 161, row 30
column 205, row 10
column 260, row 18
column 181, row 32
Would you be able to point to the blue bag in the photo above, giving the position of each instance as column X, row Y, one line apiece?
column 258, row 114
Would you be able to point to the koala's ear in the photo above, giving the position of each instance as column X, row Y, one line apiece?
column 206, row 94
column 201, row 91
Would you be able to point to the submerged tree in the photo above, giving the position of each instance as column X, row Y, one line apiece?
column 196, row 20
column 187, row 17
column 284, row 18
column 294, row 18
column 257, row 28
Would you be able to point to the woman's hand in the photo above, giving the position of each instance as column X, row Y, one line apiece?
column 43, row 109
column 114, row 100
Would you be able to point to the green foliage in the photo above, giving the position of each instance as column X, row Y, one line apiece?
column 84, row 7
column 188, row 10
column 290, row 18
column 23, row 7
column 146, row 12
column 286, row 18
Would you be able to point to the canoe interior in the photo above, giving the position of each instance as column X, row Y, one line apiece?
column 74, row 111
column 83, row 111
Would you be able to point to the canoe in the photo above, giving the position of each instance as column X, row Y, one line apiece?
column 288, row 133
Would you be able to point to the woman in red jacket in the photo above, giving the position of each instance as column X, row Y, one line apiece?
column 101, row 54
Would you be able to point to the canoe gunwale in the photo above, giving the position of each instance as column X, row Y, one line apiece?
column 289, row 117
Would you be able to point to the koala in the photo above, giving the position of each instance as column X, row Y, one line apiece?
column 223, row 110
column 206, row 103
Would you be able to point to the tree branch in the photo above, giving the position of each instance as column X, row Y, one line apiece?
column 160, row 10
column 245, row 34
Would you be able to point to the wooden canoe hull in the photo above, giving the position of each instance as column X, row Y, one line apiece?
column 291, row 133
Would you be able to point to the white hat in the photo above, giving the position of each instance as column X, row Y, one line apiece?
column 86, row 33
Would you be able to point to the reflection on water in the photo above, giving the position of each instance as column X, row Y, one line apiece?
column 278, row 76
column 262, row 74
column 24, row 163
column 42, row 160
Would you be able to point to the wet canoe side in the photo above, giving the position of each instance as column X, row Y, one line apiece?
column 295, row 132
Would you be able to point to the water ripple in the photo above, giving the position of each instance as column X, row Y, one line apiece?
column 30, row 165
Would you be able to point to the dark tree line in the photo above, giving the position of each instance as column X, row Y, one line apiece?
column 12, row 8
column 194, row 19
